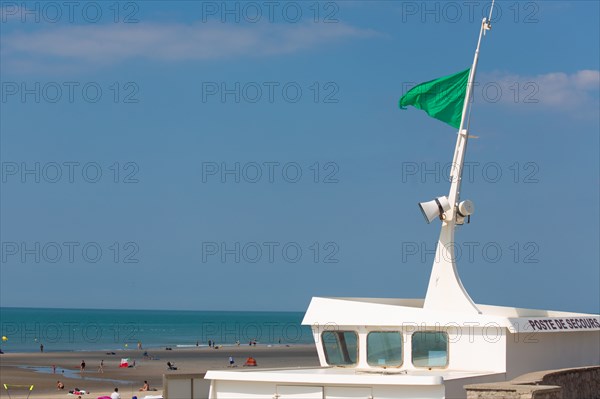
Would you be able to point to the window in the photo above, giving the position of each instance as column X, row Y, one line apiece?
column 341, row 347
column 430, row 349
column 384, row 348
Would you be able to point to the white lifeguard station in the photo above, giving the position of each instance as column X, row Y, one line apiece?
column 423, row 348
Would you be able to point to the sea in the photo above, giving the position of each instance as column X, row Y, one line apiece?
column 28, row 329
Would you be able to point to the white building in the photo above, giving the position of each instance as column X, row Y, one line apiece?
column 394, row 348
column 423, row 348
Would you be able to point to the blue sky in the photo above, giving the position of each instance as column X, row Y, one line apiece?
column 184, row 155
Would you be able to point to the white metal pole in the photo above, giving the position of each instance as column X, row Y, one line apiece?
column 445, row 290
column 463, row 134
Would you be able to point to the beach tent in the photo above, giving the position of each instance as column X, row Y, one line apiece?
column 126, row 362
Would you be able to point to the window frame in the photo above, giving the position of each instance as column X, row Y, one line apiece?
column 412, row 352
column 356, row 334
column 402, row 351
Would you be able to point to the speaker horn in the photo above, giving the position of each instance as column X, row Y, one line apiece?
column 434, row 208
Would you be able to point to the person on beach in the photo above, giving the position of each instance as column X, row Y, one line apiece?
column 42, row 348
column 171, row 366
column 101, row 368
column 115, row 394
column 82, row 366
column 231, row 361
column 60, row 385
column 146, row 387
column 54, row 369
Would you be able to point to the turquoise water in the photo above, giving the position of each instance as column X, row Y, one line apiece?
column 72, row 374
column 118, row 330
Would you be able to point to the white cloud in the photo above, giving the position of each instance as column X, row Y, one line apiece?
column 555, row 91
column 111, row 44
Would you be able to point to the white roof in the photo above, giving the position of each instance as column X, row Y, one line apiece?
column 341, row 375
column 387, row 312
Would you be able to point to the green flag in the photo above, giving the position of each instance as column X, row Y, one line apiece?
column 441, row 98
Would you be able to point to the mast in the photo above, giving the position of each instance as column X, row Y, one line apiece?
column 445, row 290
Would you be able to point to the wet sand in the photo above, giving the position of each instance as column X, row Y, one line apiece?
column 18, row 368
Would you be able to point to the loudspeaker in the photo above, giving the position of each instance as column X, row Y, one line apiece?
column 466, row 208
column 435, row 208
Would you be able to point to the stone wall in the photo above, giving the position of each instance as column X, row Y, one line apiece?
column 582, row 383
column 575, row 383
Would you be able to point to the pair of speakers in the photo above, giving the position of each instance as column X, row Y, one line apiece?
column 438, row 207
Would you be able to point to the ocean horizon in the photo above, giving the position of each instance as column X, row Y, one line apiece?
column 58, row 329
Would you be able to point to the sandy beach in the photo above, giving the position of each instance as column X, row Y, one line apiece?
column 20, row 368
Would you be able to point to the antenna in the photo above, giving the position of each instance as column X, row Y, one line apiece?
column 491, row 10
column 487, row 23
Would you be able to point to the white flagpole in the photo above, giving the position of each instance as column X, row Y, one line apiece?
column 463, row 132
column 445, row 290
